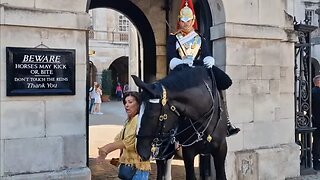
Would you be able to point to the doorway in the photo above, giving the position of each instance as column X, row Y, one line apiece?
column 110, row 48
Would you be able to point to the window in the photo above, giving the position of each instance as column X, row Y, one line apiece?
column 309, row 16
column 123, row 24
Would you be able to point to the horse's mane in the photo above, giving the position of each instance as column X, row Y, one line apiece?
column 184, row 78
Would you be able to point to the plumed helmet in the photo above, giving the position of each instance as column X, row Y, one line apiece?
column 187, row 12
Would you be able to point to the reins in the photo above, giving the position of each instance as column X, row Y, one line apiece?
column 196, row 131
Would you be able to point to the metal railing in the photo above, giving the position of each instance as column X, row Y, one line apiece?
column 303, row 123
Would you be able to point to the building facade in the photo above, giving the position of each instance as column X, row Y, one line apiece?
column 112, row 46
column 308, row 12
column 44, row 137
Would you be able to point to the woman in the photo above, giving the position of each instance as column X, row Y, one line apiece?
column 119, row 92
column 92, row 94
column 126, row 139
column 97, row 102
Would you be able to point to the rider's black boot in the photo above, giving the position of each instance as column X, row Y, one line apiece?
column 231, row 129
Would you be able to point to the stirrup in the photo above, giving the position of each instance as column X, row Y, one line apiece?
column 232, row 130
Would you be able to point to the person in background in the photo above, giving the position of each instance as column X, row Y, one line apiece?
column 125, row 88
column 91, row 97
column 119, row 91
column 126, row 139
column 316, row 122
column 97, row 99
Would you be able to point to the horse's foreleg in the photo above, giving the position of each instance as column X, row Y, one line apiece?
column 164, row 169
column 161, row 169
column 219, row 156
column 188, row 159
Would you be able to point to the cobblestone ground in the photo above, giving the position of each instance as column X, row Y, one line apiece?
column 308, row 177
column 106, row 171
column 103, row 129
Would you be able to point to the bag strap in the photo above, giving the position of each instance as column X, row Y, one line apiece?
column 124, row 129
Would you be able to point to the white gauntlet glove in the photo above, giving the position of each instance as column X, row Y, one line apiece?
column 189, row 61
column 209, row 61
column 176, row 61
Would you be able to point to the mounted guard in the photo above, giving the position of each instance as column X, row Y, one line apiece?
column 187, row 47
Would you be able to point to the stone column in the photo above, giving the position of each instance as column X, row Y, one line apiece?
column 133, row 64
column 44, row 137
column 252, row 45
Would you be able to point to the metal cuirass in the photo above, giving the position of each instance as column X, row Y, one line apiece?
column 188, row 46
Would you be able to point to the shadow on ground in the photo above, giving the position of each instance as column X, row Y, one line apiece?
column 106, row 171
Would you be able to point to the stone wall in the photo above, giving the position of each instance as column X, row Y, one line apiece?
column 43, row 137
column 254, row 48
column 154, row 11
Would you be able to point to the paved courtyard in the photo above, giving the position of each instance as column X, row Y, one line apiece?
column 103, row 129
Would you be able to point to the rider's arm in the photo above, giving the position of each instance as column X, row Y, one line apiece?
column 171, row 48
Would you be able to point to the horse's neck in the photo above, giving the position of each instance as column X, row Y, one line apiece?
column 190, row 89
column 193, row 103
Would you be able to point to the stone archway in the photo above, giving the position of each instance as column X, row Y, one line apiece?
column 144, row 27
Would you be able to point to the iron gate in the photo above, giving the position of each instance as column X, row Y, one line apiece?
column 303, row 84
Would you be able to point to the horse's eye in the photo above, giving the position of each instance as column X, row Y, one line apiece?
column 154, row 101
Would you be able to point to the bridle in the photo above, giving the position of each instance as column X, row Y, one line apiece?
column 170, row 137
column 161, row 137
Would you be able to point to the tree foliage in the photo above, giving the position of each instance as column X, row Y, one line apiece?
column 106, row 82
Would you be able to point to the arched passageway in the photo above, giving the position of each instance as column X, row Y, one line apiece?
column 143, row 26
column 119, row 69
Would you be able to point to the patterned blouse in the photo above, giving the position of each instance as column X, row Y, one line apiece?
column 130, row 155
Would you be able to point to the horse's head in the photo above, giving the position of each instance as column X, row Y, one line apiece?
column 158, row 122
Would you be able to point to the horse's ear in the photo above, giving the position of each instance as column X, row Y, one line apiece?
column 138, row 81
column 143, row 85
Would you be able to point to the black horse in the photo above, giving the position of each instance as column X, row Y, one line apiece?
column 184, row 108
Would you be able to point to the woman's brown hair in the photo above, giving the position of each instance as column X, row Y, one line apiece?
column 134, row 94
